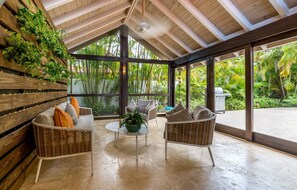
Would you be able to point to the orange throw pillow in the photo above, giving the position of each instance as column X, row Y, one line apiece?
column 62, row 119
column 74, row 103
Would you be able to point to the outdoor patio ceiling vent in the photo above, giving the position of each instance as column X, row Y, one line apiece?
column 220, row 98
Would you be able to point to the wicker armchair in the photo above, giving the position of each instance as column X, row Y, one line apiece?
column 57, row 142
column 149, row 114
column 196, row 132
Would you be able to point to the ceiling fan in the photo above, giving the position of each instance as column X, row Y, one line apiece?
column 143, row 25
column 153, row 27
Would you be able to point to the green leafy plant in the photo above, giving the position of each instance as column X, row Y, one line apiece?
column 55, row 71
column 33, row 55
column 133, row 118
column 48, row 39
column 22, row 52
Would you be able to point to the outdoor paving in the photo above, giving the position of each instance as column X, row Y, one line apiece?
column 276, row 122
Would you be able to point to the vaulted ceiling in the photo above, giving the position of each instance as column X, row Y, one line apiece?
column 184, row 26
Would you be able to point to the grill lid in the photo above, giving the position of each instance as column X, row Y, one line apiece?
column 219, row 90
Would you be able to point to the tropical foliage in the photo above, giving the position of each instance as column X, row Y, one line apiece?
column 275, row 79
column 38, row 55
column 101, row 78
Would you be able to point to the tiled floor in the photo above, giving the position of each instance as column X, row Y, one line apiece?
column 239, row 165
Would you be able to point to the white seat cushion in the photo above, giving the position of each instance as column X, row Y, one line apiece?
column 85, row 122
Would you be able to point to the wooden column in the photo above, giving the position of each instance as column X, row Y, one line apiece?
column 210, row 95
column 188, row 78
column 171, row 84
column 249, row 91
column 123, row 69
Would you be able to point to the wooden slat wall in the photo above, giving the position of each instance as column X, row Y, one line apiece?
column 22, row 98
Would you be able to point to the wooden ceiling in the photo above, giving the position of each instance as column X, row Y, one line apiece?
column 192, row 24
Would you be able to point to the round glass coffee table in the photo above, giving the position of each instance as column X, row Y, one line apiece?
column 143, row 131
column 114, row 127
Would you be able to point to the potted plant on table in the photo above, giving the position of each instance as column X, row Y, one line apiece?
column 133, row 121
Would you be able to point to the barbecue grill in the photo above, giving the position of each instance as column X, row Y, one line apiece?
column 220, row 98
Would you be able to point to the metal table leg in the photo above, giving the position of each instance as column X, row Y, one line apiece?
column 115, row 138
column 136, row 147
column 117, row 142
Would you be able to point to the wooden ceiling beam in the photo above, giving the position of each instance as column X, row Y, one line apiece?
column 179, row 22
column 284, row 28
column 265, row 22
column 81, row 11
column 147, row 45
column 172, row 49
column 293, row 11
column 281, row 7
column 264, row 47
column 170, row 34
column 236, row 14
column 94, row 28
column 97, row 18
column 80, row 46
column 130, row 11
column 202, row 19
column 241, row 19
column 51, row 4
column 86, row 38
column 180, row 42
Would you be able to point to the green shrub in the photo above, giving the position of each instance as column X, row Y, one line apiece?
column 234, row 104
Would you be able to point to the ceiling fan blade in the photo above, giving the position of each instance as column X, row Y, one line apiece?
column 152, row 29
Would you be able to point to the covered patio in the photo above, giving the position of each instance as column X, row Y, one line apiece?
column 239, row 165
column 107, row 54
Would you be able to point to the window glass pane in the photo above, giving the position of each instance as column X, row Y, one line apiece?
column 180, row 85
column 136, row 50
column 198, row 84
column 101, row 106
column 275, row 90
column 230, row 89
column 95, row 77
column 162, row 101
column 147, row 78
column 108, row 46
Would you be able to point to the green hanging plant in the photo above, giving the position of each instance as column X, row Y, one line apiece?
column 23, row 52
column 48, row 39
column 55, row 71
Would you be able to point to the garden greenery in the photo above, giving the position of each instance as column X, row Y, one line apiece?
column 48, row 39
column 40, row 56
column 275, row 78
column 23, row 52
column 102, row 77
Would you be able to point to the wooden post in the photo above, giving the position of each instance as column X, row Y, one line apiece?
column 210, row 95
column 188, row 77
column 71, row 77
column 249, row 91
column 123, row 69
column 171, row 84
